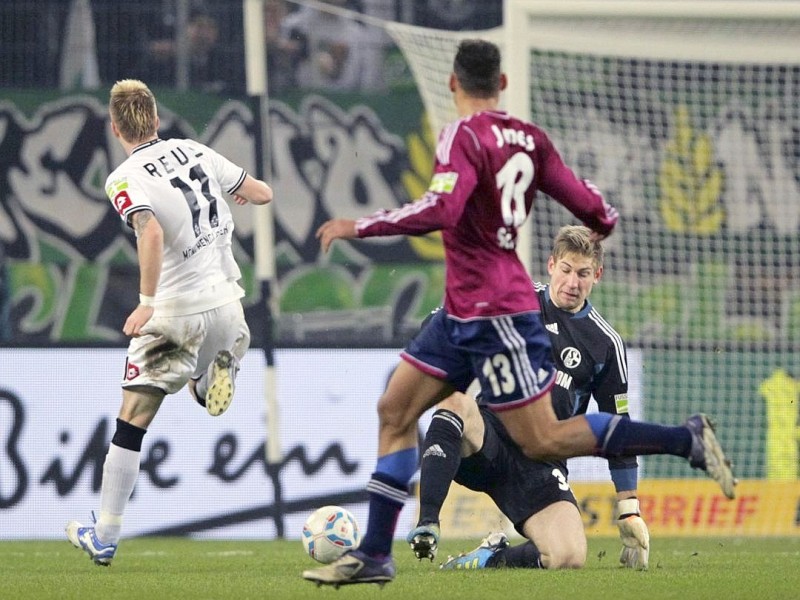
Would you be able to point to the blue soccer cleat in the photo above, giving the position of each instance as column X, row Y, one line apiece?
column 424, row 540
column 707, row 454
column 86, row 539
column 477, row 559
column 353, row 567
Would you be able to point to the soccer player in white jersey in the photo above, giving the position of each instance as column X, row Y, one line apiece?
column 189, row 325
column 489, row 166
column 466, row 442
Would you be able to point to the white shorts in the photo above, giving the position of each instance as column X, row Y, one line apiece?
column 173, row 349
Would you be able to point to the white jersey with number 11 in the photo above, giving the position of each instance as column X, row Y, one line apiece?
column 182, row 182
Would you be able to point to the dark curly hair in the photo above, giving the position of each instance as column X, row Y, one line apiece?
column 477, row 67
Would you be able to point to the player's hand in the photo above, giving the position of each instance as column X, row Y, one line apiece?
column 596, row 236
column 336, row 229
column 634, row 535
column 137, row 319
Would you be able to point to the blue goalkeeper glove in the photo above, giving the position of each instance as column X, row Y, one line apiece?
column 634, row 535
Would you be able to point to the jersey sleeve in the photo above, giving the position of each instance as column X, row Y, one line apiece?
column 230, row 175
column 454, row 180
column 610, row 389
column 126, row 196
column 579, row 196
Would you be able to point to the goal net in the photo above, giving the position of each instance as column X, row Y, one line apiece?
column 686, row 116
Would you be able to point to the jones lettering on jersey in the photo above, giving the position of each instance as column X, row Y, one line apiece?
column 571, row 357
column 443, row 183
column 513, row 137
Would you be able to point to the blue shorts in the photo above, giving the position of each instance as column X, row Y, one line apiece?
column 509, row 355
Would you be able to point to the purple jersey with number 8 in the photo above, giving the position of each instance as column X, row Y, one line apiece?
column 488, row 169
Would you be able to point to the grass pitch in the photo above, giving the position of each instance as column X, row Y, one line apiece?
column 160, row 568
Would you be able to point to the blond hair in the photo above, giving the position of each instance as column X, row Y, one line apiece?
column 576, row 239
column 133, row 109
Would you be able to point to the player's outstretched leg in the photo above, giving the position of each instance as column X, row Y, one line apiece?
column 424, row 540
column 221, row 378
column 353, row 567
column 478, row 558
column 85, row 539
column 707, row 454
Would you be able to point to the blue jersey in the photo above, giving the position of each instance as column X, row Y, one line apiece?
column 590, row 357
column 591, row 363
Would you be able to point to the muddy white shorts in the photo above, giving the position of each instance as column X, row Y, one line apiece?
column 173, row 349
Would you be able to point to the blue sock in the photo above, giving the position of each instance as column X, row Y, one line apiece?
column 400, row 465
column 623, row 437
column 388, row 490
column 624, row 479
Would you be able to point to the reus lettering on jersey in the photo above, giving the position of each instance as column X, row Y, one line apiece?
column 179, row 154
column 513, row 137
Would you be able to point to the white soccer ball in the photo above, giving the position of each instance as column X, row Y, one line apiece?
column 329, row 532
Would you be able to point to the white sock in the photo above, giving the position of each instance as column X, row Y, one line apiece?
column 120, row 472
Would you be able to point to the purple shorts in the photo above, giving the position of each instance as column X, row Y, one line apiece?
column 509, row 355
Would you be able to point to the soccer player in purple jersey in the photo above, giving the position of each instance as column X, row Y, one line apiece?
column 489, row 166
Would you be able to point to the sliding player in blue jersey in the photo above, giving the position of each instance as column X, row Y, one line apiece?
column 466, row 442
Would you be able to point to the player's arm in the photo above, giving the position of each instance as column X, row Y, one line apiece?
column 150, row 250
column 439, row 208
column 253, row 191
column 417, row 218
column 579, row 196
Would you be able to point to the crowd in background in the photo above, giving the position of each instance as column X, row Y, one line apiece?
column 199, row 45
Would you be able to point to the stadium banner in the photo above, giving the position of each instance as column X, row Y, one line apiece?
column 67, row 261
column 208, row 477
column 752, row 395
column 671, row 507
column 200, row 475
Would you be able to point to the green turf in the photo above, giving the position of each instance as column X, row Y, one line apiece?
column 167, row 568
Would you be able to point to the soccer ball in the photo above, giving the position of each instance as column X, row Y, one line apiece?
column 329, row 532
